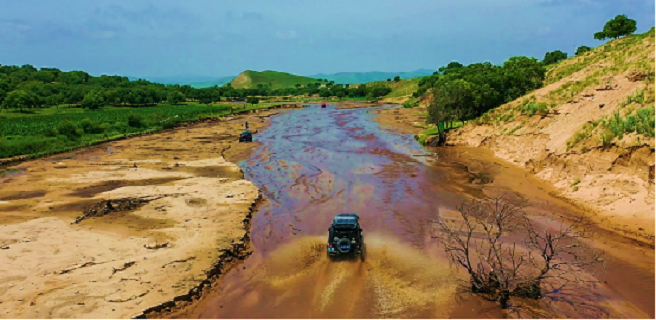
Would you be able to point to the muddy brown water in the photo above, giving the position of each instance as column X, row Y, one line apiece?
column 314, row 163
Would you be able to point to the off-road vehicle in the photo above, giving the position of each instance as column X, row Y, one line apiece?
column 345, row 237
column 246, row 136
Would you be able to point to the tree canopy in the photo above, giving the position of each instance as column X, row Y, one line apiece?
column 582, row 49
column 461, row 93
column 554, row 57
column 617, row 27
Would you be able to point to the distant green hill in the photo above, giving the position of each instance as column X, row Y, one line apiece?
column 250, row 79
column 366, row 77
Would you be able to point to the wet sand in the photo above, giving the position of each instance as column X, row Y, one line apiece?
column 314, row 163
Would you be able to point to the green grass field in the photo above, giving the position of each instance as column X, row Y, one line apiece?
column 53, row 130
column 277, row 80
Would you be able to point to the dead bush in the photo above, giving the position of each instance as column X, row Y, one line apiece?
column 508, row 254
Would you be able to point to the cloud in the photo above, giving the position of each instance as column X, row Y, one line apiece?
column 286, row 35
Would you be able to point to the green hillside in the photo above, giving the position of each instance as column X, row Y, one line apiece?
column 276, row 80
column 402, row 88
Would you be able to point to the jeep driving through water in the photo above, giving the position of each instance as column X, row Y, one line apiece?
column 345, row 237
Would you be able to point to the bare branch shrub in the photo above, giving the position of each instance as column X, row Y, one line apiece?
column 507, row 254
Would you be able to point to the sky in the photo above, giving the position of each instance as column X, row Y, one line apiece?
column 160, row 38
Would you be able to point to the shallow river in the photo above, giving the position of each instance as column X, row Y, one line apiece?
column 313, row 164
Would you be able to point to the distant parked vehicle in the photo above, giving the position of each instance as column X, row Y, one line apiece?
column 323, row 105
column 246, row 136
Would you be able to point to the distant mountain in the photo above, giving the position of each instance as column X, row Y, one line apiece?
column 194, row 81
column 365, row 77
column 216, row 82
column 250, row 79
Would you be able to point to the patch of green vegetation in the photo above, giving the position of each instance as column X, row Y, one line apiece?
column 532, row 108
column 581, row 135
column 421, row 137
column 576, row 181
column 572, row 88
column 513, row 130
column 508, row 117
column 640, row 121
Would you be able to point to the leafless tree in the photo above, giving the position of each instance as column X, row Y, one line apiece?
column 507, row 254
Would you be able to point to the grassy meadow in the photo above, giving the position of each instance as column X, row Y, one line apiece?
column 52, row 130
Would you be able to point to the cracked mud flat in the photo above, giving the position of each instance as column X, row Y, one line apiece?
column 314, row 163
column 190, row 219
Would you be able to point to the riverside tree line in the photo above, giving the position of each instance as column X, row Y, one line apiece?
column 28, row 87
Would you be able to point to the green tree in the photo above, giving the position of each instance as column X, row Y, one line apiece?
column 324, row 93
column 452, row 66
column 397, row 79
column 253, row 100
column 451, row 101
column 617, row 27
column 340, row 94
column 175, row 97
column 94, row 99
column 554, row 57
column 17, row 99
column 582, row 49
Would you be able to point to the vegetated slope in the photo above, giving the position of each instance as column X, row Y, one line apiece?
column 365, row 77
column 402, row 88
column 589, row 131
column 275, row 80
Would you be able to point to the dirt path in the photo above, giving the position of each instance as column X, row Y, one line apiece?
column 169, row 212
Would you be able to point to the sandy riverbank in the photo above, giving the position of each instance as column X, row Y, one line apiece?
column 189, row 222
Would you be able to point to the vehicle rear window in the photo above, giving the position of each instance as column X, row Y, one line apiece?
column 344, row 220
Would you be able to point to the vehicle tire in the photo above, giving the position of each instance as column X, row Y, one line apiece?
column 344, row 241
column 363, row 253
